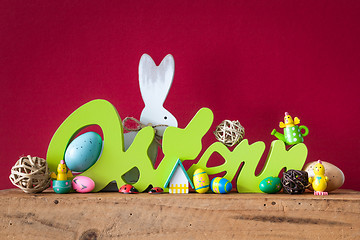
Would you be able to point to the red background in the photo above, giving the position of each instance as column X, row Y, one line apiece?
column 246, row 60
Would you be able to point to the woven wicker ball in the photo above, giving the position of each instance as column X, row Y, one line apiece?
column 229, row 132
column 30, row 174
column 295, row 181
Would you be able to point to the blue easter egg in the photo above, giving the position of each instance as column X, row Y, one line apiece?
column 220, row 185
column 83, row 151
column 270, row 185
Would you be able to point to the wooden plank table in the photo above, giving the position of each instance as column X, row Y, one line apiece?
column 111, row 215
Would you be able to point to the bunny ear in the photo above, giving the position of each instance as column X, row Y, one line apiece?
column 155, row 81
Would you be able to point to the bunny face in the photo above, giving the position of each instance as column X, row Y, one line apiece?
column 155, row 82
column 157, row 116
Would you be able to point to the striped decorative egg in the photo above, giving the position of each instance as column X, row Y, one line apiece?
column 201, row 181
column 220, row 185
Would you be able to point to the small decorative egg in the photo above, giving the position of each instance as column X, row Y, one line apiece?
column 83, row 184
column 270, row 185
column 335, row 175
column 220, row 185
column 62, row 186
column 83, row 152
column 201, row 181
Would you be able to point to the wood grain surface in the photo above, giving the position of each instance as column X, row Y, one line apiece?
column 112, row 215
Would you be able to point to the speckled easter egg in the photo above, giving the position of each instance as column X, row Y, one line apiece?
column 62, row 186
column 335, row 175
column 270, row 185
column 201, row 181
column 83, row 152
column 83, row 184
column 220, row 185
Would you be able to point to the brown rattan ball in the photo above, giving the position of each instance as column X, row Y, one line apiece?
column 295, row 181
column 30, row 174
column 229, row 132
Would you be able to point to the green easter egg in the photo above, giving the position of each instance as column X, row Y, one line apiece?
column 270, row 185
column 62, row 186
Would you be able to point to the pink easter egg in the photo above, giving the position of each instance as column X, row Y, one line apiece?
column 83, row 184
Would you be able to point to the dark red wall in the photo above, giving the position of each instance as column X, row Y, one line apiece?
column 245, row 60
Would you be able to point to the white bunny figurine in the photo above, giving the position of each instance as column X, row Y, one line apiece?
column 155, row 82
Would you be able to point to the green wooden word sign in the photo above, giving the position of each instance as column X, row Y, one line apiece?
column 184, row 144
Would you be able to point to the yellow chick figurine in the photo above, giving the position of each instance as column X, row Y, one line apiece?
column 289, row 122
column 319, row 181
column 63, row 174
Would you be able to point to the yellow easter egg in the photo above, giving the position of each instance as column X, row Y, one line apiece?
column 335, row 175
column 201, row 181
